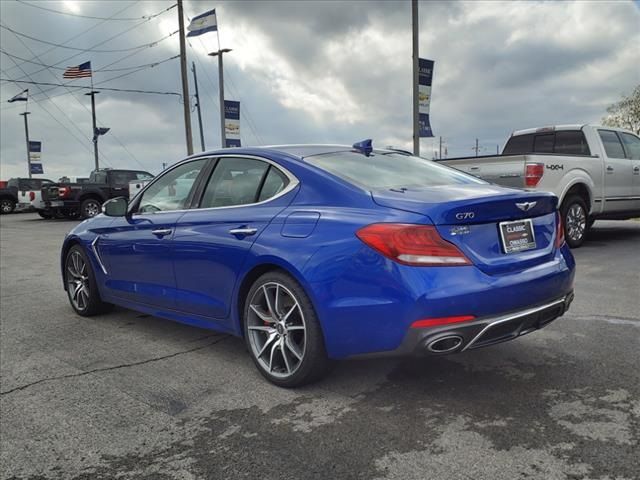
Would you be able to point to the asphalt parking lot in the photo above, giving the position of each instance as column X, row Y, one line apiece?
column 134, row 396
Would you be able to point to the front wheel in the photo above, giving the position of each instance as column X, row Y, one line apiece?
column 283, row 333
column 89, row 208
column 575, row 219
column 7, row 205
column 82, row 288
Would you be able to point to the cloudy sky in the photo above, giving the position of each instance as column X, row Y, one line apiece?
column 321, row 72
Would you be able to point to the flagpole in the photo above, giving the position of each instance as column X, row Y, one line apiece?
column 185, row 81
column 26, row 135
column 416, row 111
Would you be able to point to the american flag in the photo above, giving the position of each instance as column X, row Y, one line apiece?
column 83, row 70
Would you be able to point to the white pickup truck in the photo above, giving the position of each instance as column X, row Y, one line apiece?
column 594, row 171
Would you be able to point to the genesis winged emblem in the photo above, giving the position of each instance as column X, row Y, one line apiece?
column 526, row 206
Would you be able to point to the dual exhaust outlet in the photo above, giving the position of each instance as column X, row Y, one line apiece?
column 448, row 344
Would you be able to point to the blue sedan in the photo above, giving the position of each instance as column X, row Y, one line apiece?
column 320, row 252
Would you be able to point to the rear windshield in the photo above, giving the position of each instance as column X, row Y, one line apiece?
column 563, row 142
column 383, row 170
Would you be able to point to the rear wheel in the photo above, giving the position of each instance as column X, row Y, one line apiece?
column 89, row 208
column 45, row 215
column 575, row 219
column 7, row 205
column 283, row 333
column 82, row 288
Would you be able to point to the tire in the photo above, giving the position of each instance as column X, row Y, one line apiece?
column 575, row 219
column 7, row 205
column 45, row 215
column 285, row 340
column 80, row 280
column 90, row 207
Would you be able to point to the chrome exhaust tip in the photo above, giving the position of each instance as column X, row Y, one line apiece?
column 447, row 344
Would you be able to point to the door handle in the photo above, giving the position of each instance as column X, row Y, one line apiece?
column 474, row 168
column 243, row 231
column 636, row 170
column 610, row 168
column 162, row 232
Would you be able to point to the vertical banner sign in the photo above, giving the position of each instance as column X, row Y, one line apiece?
column 232, row 123
column 35, row 158
column 425, row 77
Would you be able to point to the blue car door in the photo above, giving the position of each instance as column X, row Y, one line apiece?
column 211, row 243
column 136, row 251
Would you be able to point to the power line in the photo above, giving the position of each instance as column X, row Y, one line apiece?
column 144, row 17
column 130, row 90
column 85, row 31
column 115, row 50
column 147, row 65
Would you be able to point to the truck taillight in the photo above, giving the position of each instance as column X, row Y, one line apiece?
column 64, row 191
column 559, row 231
column 533, row 173
column 32, row 196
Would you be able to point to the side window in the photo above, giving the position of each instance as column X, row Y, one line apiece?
column 100, row 177
column 273, row 184
column 571, row 142
column 235, row 181
column 518, row 145
column 544, row 143
column 171, row 190
column 631, row 145
column 611, row 142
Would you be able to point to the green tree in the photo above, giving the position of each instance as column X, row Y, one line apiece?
column 625, row 113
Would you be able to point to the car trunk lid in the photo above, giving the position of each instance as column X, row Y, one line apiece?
column 469, row 216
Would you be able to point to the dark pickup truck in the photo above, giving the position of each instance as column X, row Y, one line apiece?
column 19, row 193
column 85, row 200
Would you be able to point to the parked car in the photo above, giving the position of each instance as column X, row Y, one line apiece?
column 20, row 192
column 85, row 199
column 594, row 171
column 314, row 253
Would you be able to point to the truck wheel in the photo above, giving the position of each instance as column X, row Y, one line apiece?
column 7, row 205
column 89, row 208
column 575, row 220
column 45, row 215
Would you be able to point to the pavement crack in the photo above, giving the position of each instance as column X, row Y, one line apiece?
column 115, row 367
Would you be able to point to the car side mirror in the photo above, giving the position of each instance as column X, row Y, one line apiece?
column 116, row 207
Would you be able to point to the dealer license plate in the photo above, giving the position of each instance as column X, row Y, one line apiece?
column 517, row 236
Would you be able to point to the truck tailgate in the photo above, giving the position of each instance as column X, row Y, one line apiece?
column 505, row 170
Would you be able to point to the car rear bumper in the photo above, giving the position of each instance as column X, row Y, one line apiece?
column 481, row 332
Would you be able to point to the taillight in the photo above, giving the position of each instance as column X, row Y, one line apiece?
column 64, row 191
column 32, row 196
column 533, row 173
column 559, row 231
column 418, row 245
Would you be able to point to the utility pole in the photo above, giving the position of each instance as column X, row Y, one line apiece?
column 92, row 94
column 195, row 81
column 185, row 81
column 476, row 149
column 219, row 53
column 440, row 154
column 416, row 112
column 26, row 134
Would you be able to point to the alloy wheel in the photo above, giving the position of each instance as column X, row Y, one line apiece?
column 78, row 281
column 91, row 209
column 276, row 329
column 576, row 222
column 6, row 206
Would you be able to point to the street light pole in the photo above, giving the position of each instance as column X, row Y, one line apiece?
column 186, row 103
column 416, row 111
column 92, row 94
column 219, row 53
column 195, row 81
column 26, row 134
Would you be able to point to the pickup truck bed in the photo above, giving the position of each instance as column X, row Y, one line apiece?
column 594, row 171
